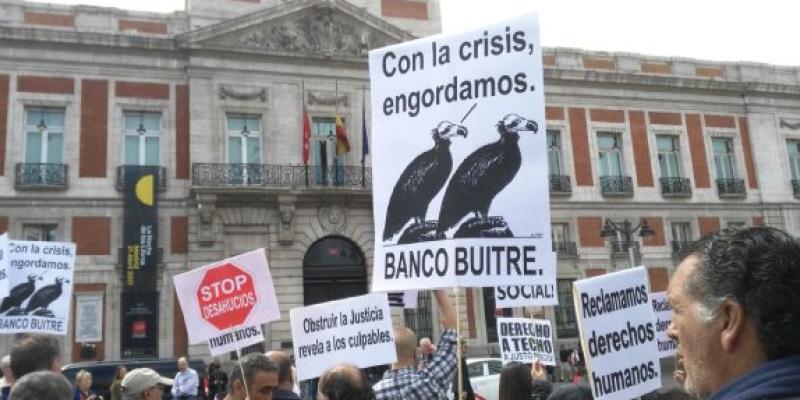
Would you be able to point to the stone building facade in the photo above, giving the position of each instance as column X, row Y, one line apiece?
column 215, row 96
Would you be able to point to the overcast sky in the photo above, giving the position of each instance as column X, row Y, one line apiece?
column 734, row 30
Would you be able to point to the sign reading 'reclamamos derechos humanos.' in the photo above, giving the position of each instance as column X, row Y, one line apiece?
column 666, row 346
column 356, row 330
column 40, row 276
column 618, row 334
column 460, row 187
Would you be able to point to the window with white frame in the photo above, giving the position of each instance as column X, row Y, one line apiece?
column 681, row 232
column 39, row 232
column 554, row 152
column 669, row 156
column 793, row 148
column 724, row 158
column 609, row 145
column 142, row 132
column 559, row 232
column 44, row 135
column 244, row 138
column 566, row 324
column 323, row 131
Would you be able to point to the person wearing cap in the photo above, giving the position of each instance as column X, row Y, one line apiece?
column 144, row 384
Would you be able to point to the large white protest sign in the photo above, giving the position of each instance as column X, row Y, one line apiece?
column 4, row 289
column 526, row 340
column 460, row 187
column 232, row 293
column 666, row 346
column 539, row 294
column 406, row 299
column 356, row 330
column 618, row 334
column 235, row 339
column 40, row 276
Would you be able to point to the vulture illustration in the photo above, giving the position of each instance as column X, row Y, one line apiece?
column 44, row 296
column 421, row 180
column 18, row 294
column 483, row 174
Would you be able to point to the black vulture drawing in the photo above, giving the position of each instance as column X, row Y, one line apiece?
column 19, row 294
column 421, row 181
column 482, row 175
column 43, row 297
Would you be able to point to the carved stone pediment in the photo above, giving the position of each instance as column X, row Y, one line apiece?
column 319, row 31
column 242, row 93
column 791, row 124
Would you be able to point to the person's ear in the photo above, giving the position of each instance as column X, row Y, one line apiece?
column 733, row 320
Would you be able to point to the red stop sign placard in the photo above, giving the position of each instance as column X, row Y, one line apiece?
column 226, row 296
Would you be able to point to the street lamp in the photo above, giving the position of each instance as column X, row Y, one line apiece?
column 626, row 229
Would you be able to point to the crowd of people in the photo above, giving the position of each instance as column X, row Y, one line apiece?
column 736, row 302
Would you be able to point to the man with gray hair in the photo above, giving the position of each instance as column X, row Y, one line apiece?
column 258, row 373
column 8, row 378
column 144, row 384
column 736, row 303
column 42, row 385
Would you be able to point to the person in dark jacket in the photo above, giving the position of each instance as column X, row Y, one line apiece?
column 466, row 385
column 521, row 382
column 285, row 379
column 736, row 316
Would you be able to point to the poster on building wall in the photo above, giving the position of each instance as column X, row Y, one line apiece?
column 539, row 294
column 4, row 289
column 356, row 330
column 232, row 293
column 140, row 228
column 666, row 346
column 88, row 317
column 526, row 340
column 618, row 334
column 460, row 187
column 40, row 275
column 139, row 324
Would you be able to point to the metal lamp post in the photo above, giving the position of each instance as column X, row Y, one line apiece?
column 626, row 229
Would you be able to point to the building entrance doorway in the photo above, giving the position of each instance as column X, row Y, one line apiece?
column 333, row 268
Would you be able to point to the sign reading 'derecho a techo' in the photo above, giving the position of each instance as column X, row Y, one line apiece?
column 233, row 293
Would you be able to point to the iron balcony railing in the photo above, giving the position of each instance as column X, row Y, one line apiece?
column 731, row 188
column 796, row 188
column 678, row 246
column 565, row 249
column 39, row 176
column 677, row 187
column 123, row 171
column 616, row 185
column 284, row 176
column 560, row 184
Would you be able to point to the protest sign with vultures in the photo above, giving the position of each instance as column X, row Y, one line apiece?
column 460, row 187
column 4, row 289
column 222, row 297
column 40, row 277
column 356, row 330
column 526, row 340
column 618, row 334
column 666, row 346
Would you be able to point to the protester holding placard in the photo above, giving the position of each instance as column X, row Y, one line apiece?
column 519, row 381
column 737, row 313
column 404, row 381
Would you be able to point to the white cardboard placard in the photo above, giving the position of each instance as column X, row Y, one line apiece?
column 357, row 330
column 536, row 295
column 618, row 334
column 666, row 346
column 526, row 340
column 460, row 185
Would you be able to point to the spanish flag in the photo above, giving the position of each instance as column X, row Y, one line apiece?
column 342, row 143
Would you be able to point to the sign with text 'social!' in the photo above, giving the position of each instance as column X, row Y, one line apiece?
column 233, row 293
column 460, row 186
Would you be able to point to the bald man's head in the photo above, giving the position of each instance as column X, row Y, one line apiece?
column 284, row 364
column 344, row 382
column 405, row 341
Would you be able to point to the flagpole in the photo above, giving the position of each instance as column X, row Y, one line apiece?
column 306, row 141
column 363, row 137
